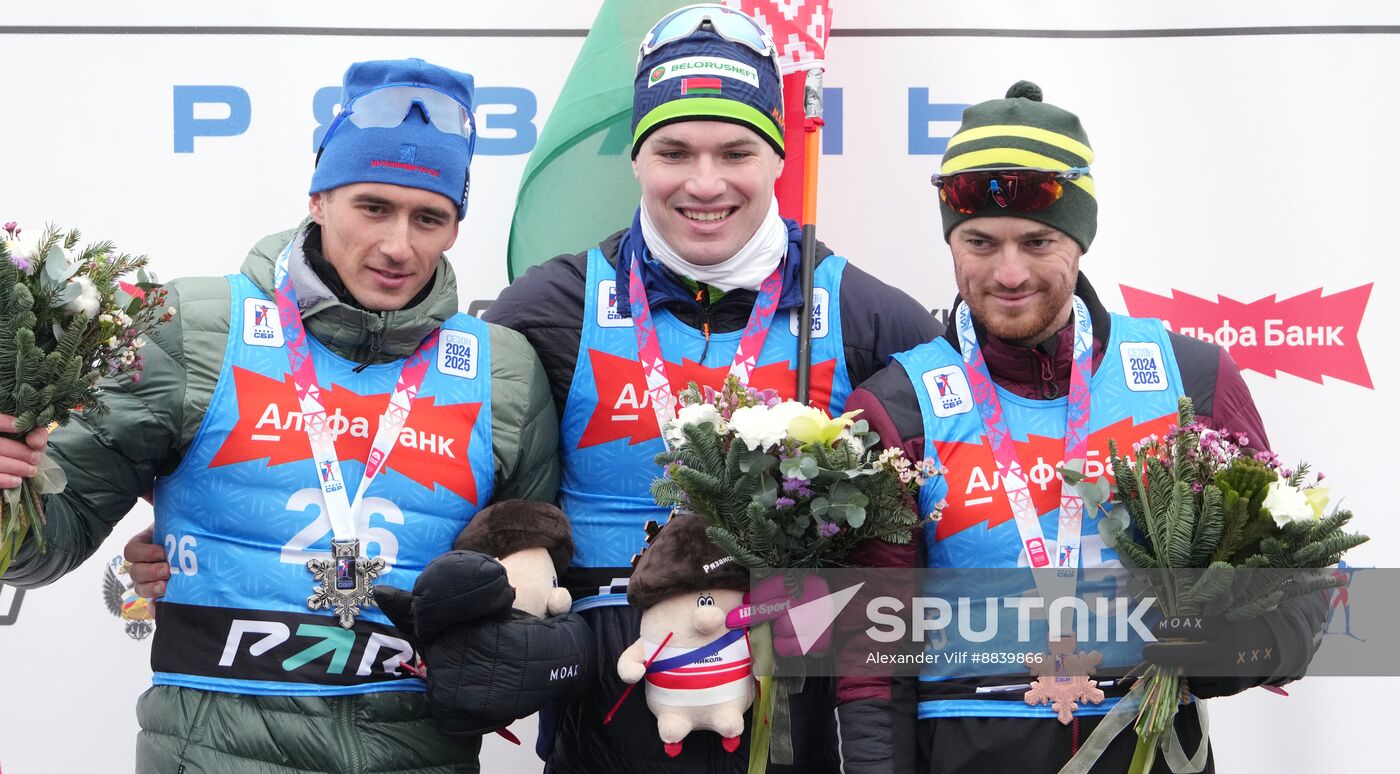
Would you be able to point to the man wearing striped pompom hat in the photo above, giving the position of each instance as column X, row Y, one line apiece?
column 1031, row 356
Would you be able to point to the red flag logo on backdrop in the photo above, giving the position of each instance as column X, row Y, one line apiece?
column 799, row 29
column 1309, row 335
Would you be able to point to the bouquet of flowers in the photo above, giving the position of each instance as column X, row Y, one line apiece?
column 1201, row 499
column 66, row 320
column 783, row 485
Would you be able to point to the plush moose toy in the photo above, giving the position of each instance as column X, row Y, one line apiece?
column 490, row 622
column 698, row 673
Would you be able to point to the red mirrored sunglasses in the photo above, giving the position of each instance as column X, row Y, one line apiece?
column 1022, row 189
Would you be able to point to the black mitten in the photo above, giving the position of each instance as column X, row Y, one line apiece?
column 1217, row 657
column 456, row 587
column 485, row 674
column 397, row 605
column 488, row 663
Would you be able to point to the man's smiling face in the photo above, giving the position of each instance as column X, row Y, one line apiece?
column 707, row 186
column 1017, row 276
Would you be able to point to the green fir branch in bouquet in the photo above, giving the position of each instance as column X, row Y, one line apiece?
column 1202, row 499
column 66, row 321
column 783, row 485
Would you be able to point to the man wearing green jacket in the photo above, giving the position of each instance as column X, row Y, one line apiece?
column 323, row 421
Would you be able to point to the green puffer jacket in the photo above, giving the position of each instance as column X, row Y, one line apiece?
column 113, row 459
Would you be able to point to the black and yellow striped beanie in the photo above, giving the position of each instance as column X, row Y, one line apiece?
column 1023, row 131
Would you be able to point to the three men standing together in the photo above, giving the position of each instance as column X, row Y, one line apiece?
column 360, row 297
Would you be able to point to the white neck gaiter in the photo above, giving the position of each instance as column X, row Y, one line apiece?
column 746, row 269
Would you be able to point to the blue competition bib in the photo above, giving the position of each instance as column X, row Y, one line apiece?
column 609, row 432
column 1134, row 394
column 243, row 513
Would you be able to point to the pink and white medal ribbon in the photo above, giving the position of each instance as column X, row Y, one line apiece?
column 1063, row 681
column 1003, row 448
column 344, row 581
column 663, row 400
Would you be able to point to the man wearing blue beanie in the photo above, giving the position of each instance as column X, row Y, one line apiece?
column 406, row 123
column 320, row 422
column 706, row 242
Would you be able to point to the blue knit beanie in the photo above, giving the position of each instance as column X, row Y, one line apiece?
column 414, row 154
column 703, row 77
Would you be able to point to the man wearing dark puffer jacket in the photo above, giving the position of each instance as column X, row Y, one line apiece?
column 710, row 254
column 1018, row 211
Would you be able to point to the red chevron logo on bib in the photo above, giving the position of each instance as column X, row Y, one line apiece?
column 975, row 491
column 624, row 410
column 433, row 446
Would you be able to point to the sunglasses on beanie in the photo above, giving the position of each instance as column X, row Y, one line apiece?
column 1019, row 188
column 733, row 26
column 388, row 106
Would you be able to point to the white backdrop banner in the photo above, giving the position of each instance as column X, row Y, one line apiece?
column 1241, row 183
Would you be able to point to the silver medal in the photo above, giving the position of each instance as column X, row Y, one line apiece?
column 344, row 581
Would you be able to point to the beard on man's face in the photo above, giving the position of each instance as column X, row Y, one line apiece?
column 1028, row 326
column 1024, row 325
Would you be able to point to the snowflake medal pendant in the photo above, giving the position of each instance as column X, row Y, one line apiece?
column 1063, row 679
column 344, row 581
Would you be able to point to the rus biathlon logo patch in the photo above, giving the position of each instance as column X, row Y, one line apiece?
column 261, row 325
column 608, row 314
column 948, row 390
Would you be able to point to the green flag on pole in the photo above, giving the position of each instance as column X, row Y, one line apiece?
column 578, row 185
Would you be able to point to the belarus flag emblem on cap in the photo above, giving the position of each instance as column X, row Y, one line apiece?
column 701, row 86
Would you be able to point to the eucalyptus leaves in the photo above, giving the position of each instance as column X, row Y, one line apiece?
column 65, row 322
column 782, row 484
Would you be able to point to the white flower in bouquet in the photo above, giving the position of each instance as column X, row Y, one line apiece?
column 797, row 477
column 760, row 427
column 22, row 250
column 88, row 301
column 789, row 410
column 694, row 414
column 53, row 297
column 1287, row 503
column 857, row 445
